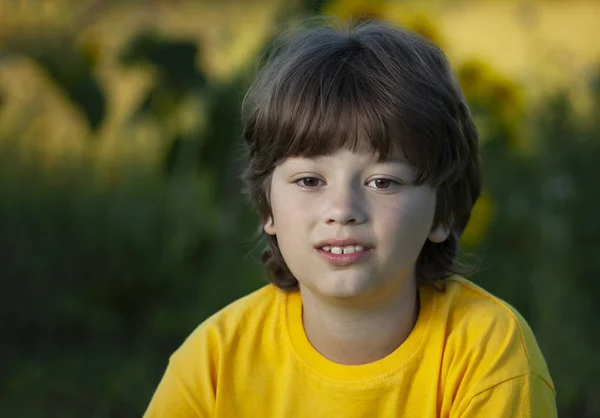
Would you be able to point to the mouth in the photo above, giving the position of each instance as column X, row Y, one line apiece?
column 343, row 252
column 348, row 249
column 343, row 246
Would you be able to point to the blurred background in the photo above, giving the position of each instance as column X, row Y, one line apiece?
column 122, row 225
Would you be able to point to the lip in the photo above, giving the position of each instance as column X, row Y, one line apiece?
column 342, row 243
column 343, row 259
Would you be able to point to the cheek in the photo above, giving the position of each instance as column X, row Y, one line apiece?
column 293, row 237
column 410, row 220
column 422, row 211
column 284, row 209
column 290, row 216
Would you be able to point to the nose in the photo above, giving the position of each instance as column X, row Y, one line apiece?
column 345, row 205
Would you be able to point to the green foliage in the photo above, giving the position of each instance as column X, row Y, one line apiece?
column 71, row 68
column 105, row 277
column 101, row 282
column 175, row 64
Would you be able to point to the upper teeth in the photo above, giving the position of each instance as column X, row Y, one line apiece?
column 344, row 250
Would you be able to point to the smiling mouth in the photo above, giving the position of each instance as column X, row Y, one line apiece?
column 344, row 255
column 348, row 249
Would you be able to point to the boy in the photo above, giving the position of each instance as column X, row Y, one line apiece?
column 363, row 164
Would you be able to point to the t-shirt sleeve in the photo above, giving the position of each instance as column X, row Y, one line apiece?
column 525, row 396
column 188, row 387
column 172, row 399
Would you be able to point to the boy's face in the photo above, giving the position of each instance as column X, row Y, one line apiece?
column 349, row 226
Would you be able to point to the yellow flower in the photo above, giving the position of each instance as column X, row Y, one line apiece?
column 410, row 17
column 501, row 100
column 481, row 218
column 355, row 9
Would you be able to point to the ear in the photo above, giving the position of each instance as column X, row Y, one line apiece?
column 269, row 226
column 439, row 234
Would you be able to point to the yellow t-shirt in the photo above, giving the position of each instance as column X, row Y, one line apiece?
column 469, row 355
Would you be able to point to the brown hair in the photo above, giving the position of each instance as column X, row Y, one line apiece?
column 333, row 86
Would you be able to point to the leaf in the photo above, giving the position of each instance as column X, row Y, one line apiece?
column 72, row 71
column 175, row 59
column 88, row 95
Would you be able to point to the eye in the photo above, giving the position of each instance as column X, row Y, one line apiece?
column 382, row 183
column 309, row 182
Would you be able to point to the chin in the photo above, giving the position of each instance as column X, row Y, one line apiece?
column 344, row 285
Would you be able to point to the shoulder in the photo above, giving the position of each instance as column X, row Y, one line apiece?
column 471, row 308
column 486, row 337
column 467, row 304
column 239, row 314
column 240, row 319
column 191, row 379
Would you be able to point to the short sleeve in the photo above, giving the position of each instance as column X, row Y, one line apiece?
column 171, row 400
column 525, row 396
column 188, row 387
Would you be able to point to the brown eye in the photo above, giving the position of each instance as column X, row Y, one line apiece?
column 309, row 182
column 383, row 183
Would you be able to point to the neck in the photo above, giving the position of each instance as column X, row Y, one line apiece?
column 351, row 335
